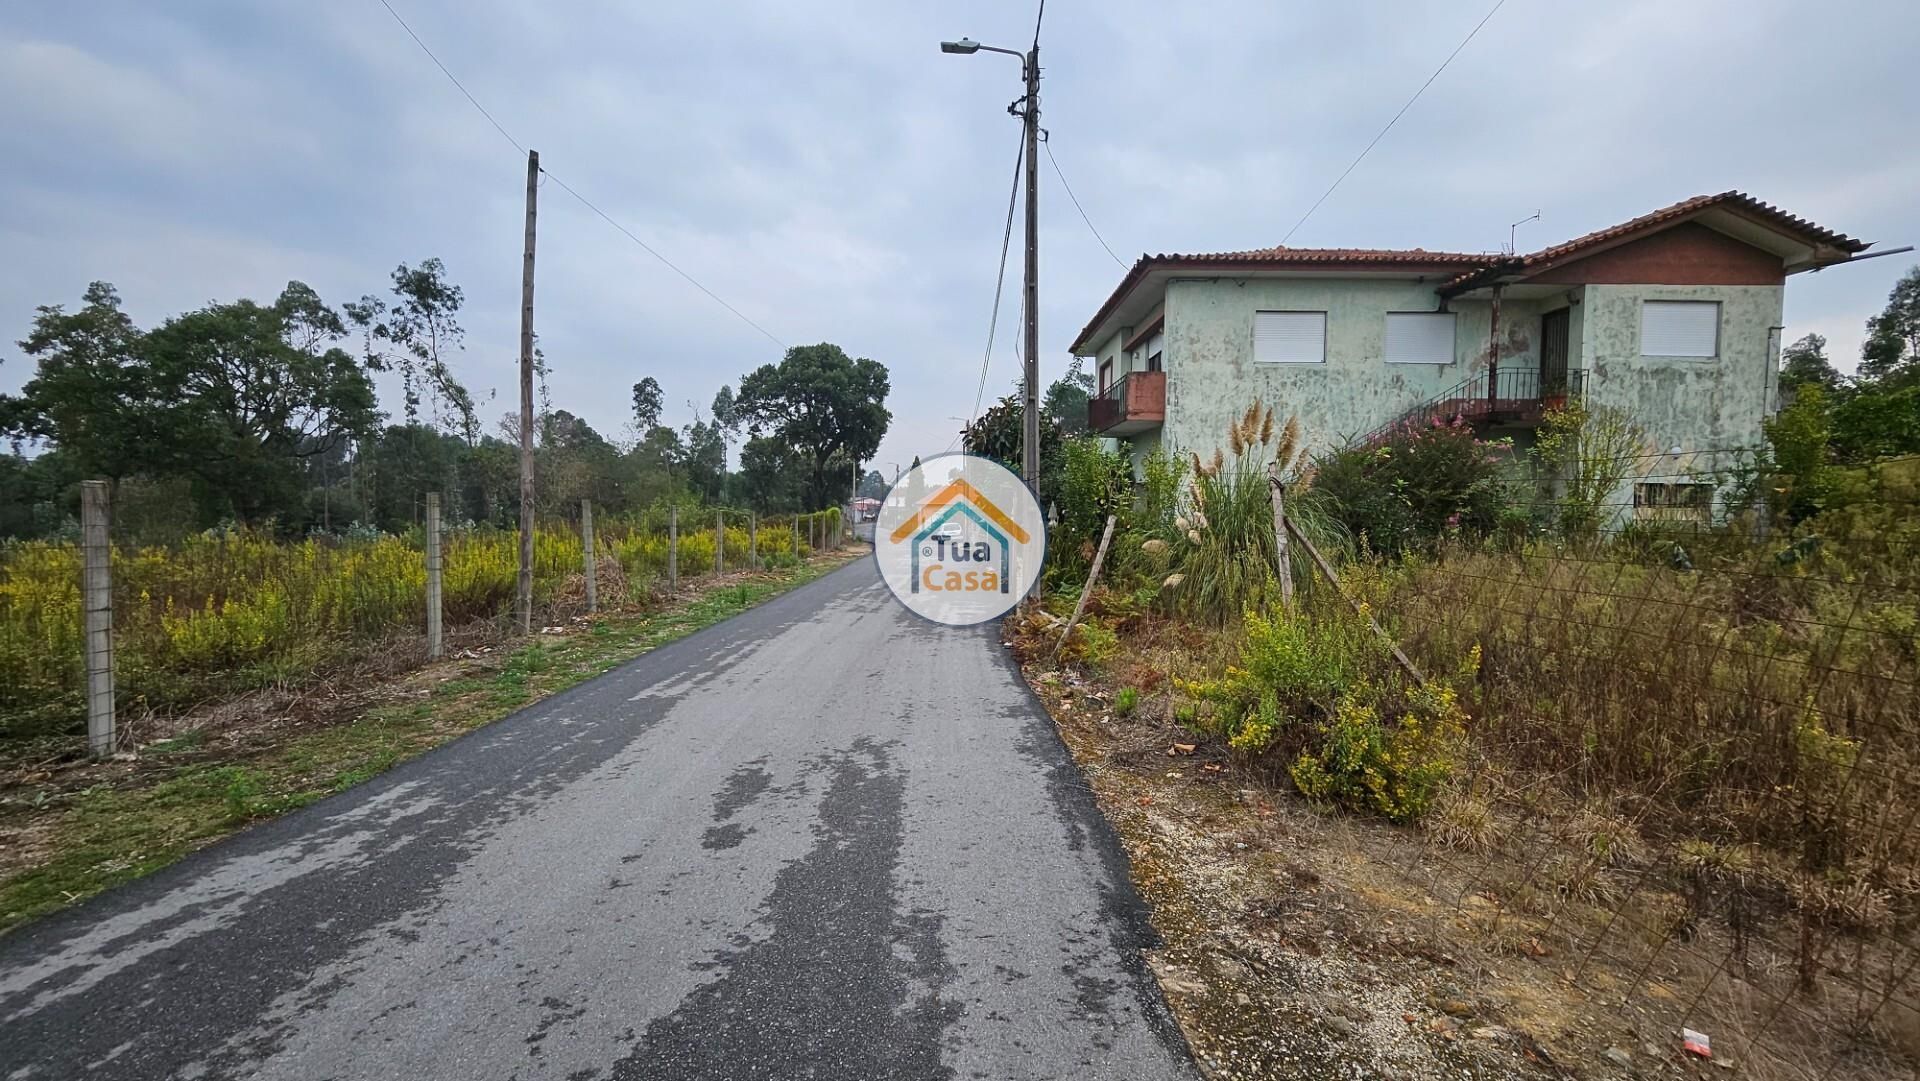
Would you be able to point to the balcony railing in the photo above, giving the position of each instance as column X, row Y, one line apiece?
column 1137, row 402
column 1507, row 396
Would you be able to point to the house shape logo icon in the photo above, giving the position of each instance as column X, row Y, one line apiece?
column 959, row 499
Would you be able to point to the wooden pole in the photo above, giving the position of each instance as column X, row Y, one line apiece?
column 753, row 541
column 1326, row 571
column 719, row 542
column 593, row 562
column 96, row 581
column 436, row 645
column 1080, row 609
column 524, row 587
column 1281, row 556
column 673, row 548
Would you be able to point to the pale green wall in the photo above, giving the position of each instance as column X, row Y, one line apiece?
column 1696, row 403
column 1211, row 375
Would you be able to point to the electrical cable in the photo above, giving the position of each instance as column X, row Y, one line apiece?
column 1396, row 119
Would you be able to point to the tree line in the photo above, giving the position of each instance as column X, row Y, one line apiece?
column 267, row 415
column 1875, row 413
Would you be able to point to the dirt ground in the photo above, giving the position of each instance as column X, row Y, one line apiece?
column 1302, row 943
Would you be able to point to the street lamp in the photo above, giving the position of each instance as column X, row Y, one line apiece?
column 1028, row 110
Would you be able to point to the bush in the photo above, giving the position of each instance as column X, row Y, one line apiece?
column 1224, row 546
column 1420, row 485
column 1317, row 689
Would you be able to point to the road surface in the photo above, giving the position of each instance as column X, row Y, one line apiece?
column 825, row 839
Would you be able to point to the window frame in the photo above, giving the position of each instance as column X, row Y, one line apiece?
column 1647, row 305
column 1453, row 328
column 1254, row 344
column 1105, row 377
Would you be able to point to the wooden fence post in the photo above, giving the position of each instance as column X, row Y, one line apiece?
column 96, row 580
column 592, row 557
column 753, row 541
column 1326, row 571
column 1281, row 556
column 436, row 645
column 719, row 542
column 673, row 548
column 1080, row 609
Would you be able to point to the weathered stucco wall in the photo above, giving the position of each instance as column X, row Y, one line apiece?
column 1211, row 374
column 1695, row 403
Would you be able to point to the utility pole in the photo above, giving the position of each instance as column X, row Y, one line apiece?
column 1030, row 429
column 524, row 594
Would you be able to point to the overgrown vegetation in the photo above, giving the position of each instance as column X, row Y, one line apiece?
column 228, row 611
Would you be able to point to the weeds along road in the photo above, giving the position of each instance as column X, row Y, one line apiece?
column 824, row 839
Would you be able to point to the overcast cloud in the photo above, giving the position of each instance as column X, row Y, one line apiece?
column 824, row 168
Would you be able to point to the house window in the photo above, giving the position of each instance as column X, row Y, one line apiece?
column 1659, row 501
column 1419, row 337
column 1679, row 328
column 1154, row 346
column 1290, row 337
column 1106, row 377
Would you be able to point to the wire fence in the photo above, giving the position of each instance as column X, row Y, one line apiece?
column 232, row 610
column 1694, row 776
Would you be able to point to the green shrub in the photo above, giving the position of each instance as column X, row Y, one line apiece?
column 1126, row 701
column 1423, row 483
column 1393, row 769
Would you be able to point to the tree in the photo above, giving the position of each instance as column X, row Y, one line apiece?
column 646, row 406
column 1805, row 361
column 243, row 394
column 1066, row 400
column 769, row 475
column 820, row 403
column 1892, row 348
column 422, row 321
column 90, row 394
column 996, row 434
column 873, row 485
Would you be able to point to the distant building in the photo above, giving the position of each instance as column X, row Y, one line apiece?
column 1674, row 316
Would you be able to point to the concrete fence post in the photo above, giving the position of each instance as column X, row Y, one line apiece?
column 719, row 542
column 753, row 542
column 592, row 555
column 673, row 548
column 436, row 561
column 96, row 584
column 796, row 535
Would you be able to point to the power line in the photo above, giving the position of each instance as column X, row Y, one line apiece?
column 668, row 263
column 999, row 287
column 450, row 77
column 1076, row 205
column 568, row 188
column 1396, row 119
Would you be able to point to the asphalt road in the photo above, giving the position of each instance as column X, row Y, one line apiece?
column 825, row 839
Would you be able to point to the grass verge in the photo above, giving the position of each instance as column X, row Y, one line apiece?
column 138, row 815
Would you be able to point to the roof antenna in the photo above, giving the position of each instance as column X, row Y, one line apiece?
column 1513, row 229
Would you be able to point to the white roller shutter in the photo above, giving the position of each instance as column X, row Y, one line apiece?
column 1420, row 337
column 1290, row 337
column 1679, row 328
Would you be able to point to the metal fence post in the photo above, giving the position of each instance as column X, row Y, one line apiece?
column 97, row 598
column 673, row 548
column 435, row 561
column 719, row 542
column 753, row 541
column 592, row 557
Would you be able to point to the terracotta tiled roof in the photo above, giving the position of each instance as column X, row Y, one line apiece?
column 1738, row 201
column 1412, row 260
column 1472, row 267
column 1413, row 257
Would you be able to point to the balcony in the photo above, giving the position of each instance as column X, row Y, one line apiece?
column 1135, row 404
column 1506, row 398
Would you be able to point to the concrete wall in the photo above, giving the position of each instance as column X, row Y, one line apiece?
column 1211, row 375
column 1696, row 403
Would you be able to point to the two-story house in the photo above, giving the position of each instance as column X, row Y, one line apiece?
column 1674, row 317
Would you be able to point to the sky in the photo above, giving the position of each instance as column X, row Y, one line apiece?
column 833, row 176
